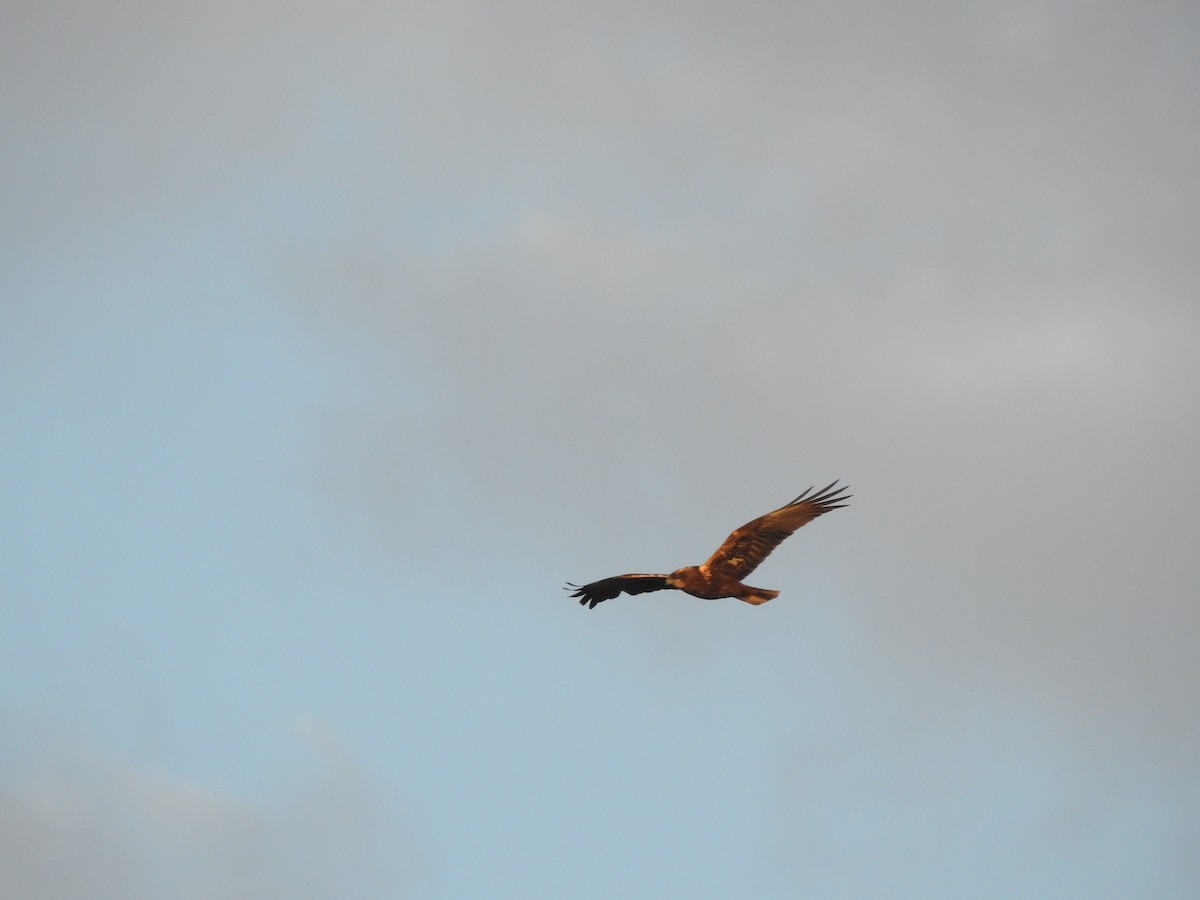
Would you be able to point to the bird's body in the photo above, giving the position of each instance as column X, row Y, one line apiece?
column 721, row 576
column 707, row 584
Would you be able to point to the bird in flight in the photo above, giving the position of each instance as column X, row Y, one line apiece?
column 721, row 576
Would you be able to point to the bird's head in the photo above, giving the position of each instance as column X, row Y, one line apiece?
column 677, row 578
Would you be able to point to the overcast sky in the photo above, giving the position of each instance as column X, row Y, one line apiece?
column 334, row 338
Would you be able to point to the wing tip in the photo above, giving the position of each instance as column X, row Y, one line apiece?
column 826, row 498
column 584, row 594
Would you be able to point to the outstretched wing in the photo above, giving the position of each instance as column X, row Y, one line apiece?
column 607, row 588
column 749, row 545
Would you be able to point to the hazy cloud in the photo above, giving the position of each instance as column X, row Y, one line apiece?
column 678, row 265
column 79, row 823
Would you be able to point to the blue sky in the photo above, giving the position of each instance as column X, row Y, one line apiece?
column 333, row 341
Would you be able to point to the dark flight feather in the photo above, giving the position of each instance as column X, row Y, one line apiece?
column 607, row 588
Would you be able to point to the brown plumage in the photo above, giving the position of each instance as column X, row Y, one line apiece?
column 722, row 574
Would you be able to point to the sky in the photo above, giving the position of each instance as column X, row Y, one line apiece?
column 335, row 338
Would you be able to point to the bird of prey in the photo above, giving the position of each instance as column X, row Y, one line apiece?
column 721, row 576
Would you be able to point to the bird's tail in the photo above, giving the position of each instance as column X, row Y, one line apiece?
column 758, row 596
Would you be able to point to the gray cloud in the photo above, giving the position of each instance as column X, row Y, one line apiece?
column 79, row 823
column 606, row 271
